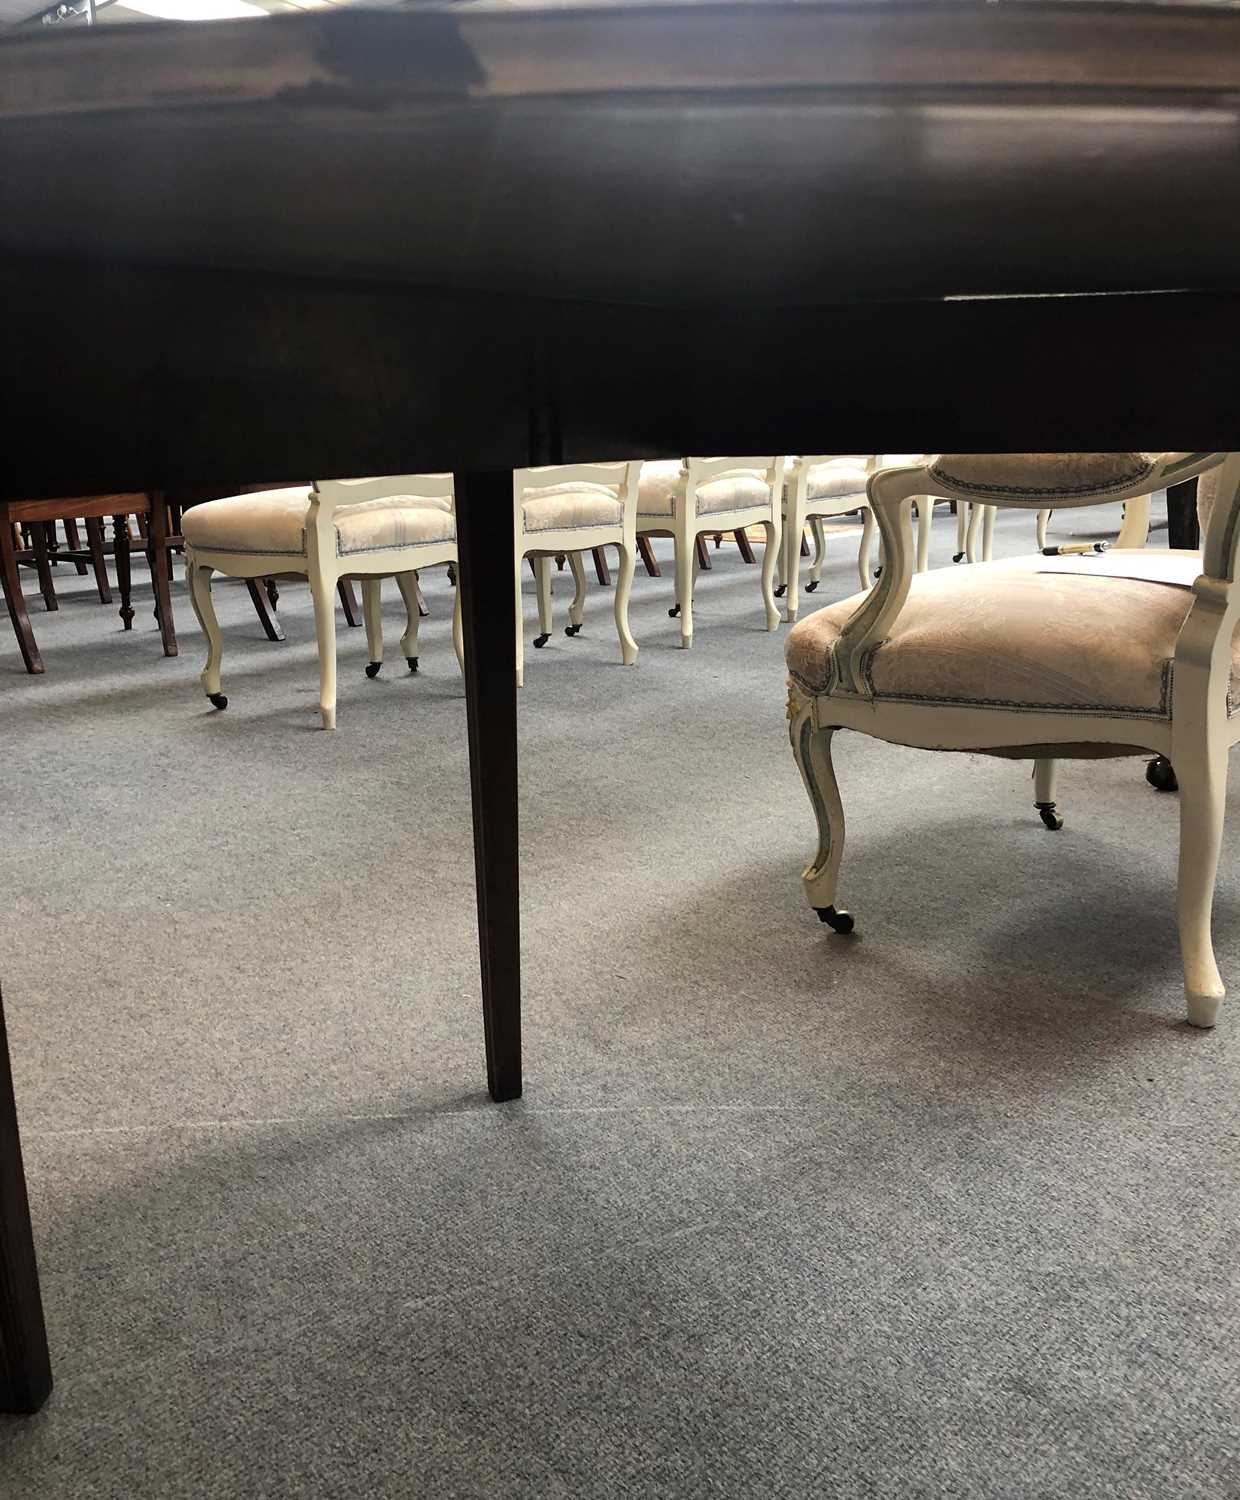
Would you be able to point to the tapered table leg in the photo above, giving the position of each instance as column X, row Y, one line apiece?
column 488, row 606
column 25, row 1367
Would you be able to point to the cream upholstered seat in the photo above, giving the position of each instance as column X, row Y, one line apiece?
column 571, row 509
column 333, row 529
column 846, row 475
column 685, row 498
column 1125, row 654
column 661, row 481
column 274, row 522
column 1071, row 636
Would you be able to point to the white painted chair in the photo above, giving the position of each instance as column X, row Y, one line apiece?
column 1124, row 653
column 818, row 486
column 368, row 529
column 974, row 521
column 691, row 497
column 569, row 509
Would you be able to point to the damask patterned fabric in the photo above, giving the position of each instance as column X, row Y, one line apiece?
column 661, row 479
column 1059, row 476
column 375, row 525
column 274, row 522
column 571, row 507
column 839, row 477
column 1009, row 635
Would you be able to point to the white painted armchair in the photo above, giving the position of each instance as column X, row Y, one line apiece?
column 572, row 509
column 687, row 498
column 1035, row 658
column 819, row 485
column 975, row 528
column 340, row 528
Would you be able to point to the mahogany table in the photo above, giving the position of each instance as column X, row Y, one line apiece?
column 360, row 243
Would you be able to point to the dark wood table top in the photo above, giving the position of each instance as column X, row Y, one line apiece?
column 365, row 242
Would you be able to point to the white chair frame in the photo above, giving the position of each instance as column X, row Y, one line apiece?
column 1196, row 739
column 686, row 524
column 541, row 546
column 800, row 510
column 323, row 567
column 975, row 520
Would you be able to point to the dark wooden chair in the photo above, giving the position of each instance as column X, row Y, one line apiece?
column 36, row 514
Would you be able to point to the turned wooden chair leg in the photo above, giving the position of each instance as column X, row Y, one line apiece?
column 746, row 547
column 161, row 573
column 16, row 602
column 703, row 555
column 271, row 626
column 98, row 561
column 42, row 558
column 602, row 571
column 121, row 539
column 348, row 600
column 649, row 561
column 74, row 540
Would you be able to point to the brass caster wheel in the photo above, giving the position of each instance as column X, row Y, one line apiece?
column 217, row 700
column 812, row 588
column 673, row 612
column 372, row 668
column 1160, row 774
column 540, row 641
column 1052, row 819
column 412, row 662
column 838, row 921
column 572, row 630
column 781, row 591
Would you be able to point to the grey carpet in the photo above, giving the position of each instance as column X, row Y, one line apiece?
column 949, row 1209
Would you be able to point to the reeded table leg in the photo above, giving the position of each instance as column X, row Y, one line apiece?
column 25, row 1368
column 488, row 602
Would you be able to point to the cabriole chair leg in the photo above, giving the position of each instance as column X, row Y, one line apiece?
column 372, row 615
column 811, row 750
column 1202, row 775
column 624, row 587
column 577, row 606
column 407, row 583
column 542, row 589
column 204, row 608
